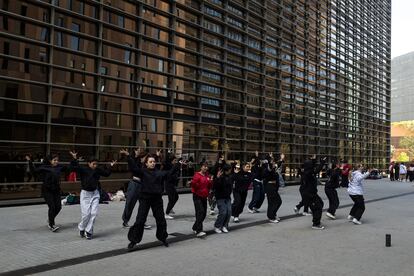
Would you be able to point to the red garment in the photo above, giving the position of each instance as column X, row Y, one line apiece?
column 201, row 184
column 346, row 169
column 72, row 177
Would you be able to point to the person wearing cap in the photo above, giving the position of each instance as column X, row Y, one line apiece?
column 223, row 185
column 201, row 185
column 242, row 180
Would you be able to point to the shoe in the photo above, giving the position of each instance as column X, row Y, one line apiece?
column 217, row 230
column 146, row 226
column 212, row 212
column 172, row 212
column 329, row 215
column 296, row 210
column 125, row 225
column 194, row 232
column 82, row 233
column 88, row 236
column 250, row 210
column 236, row 220
column 131, row 246
column 273, row 221
column 306, row 214
column 350, row 218
column 357, row 222
column 53, row 228
column 165, row 243
column 225, row 230
column 168, row 217
column 318, row 227
column 201, row 234
column 256, row 210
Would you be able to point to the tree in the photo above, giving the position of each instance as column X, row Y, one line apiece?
column 407, row 143
column 403, row 157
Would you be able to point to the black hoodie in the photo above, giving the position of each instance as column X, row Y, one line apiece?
column 310, row 170
column 50, row 176
column 333, row 181
column 242, row 180
column 89, row 177
column 223, row 186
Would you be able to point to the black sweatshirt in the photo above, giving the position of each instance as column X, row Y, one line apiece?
column 333, row 182
column 50, row 176
column 310, row 170
column 223, row 186
column 271, row 176
column 242, row 180
column 89, row 177
column 172, row 180
column 152, row 180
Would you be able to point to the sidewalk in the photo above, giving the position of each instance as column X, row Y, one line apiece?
column 26, row 241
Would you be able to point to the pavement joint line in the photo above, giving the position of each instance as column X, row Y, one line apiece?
column 184, row 237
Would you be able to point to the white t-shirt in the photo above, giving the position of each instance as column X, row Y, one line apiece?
column 403, row 169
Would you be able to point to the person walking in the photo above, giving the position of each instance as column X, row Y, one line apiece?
column 201, row 185
column 403, row 171
column 331, row 185
column 50, row 173
column 223, row 185
column 397, row 171
column 391, row 170
column 356, row 192
column 89, row 197
column 410, row 172
column 242, row 180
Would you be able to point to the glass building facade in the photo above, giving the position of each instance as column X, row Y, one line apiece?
column 291, row 76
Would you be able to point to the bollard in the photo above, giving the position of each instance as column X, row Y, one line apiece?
column 387, row 240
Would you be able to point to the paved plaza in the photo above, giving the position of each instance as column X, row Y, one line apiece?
column 253, row 247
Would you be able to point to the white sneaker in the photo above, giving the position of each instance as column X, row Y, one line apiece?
column 350, row 218
column 225, row 230
column 236, row 220
column 329, row 215
column 218, row 231
column 212, row 212
column 256, row 210
column 146, row 226
column 306, row 214
column 250, row 210
column 273, row 221
column 201, row 234
column 357, row 222
column 168, row 217
column 296, row 210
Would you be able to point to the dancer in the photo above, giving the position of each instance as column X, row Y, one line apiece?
column 223, row 185
column 346, row 168
column 201, row 185
column 302, row 202
column 150, row 197
column 89, row 197
column 212, row 201
column 330, row 189
column 258, row 169
column 50, row 174
column 171, row 183
column 134, row 186
column 356, row 192
column 310, row 190
column 242, row 180
column 272, row 183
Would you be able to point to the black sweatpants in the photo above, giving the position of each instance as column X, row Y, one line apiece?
column 147, row 202
column 131, row 199
column 239, row 200
column 200, row 206
column 315, row 203
column 332, row 195
column 172, row 198
column 273, row 204
column 302, row 204
column 55, row 205
column 359, row 206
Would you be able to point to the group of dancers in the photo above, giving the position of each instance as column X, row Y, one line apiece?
column 152, row 174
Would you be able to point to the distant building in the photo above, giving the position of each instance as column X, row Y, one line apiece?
column 402, row 88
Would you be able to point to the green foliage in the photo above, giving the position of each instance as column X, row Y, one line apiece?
column 403, row 157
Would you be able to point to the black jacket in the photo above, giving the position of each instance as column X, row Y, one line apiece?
column 172, row 180
column 310, row 182
column 333, row 181
column 89, row 177
column 223, row 186
column 50, row 176
column 258, row 170
column 152, row 180
column 272, row 181
column 242, row 180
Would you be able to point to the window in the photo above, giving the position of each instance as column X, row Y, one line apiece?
column 74, row 41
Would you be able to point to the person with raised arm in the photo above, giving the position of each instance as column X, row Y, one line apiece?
column 272, row 184
column 242, row 180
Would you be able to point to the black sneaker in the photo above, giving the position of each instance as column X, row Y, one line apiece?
column 88, row 236
column 53, row 228
column 165, row 243
column 125, row 225
column 82, row 233
column 131, row 246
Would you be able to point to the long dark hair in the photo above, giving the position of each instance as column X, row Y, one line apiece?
column 48, row 159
